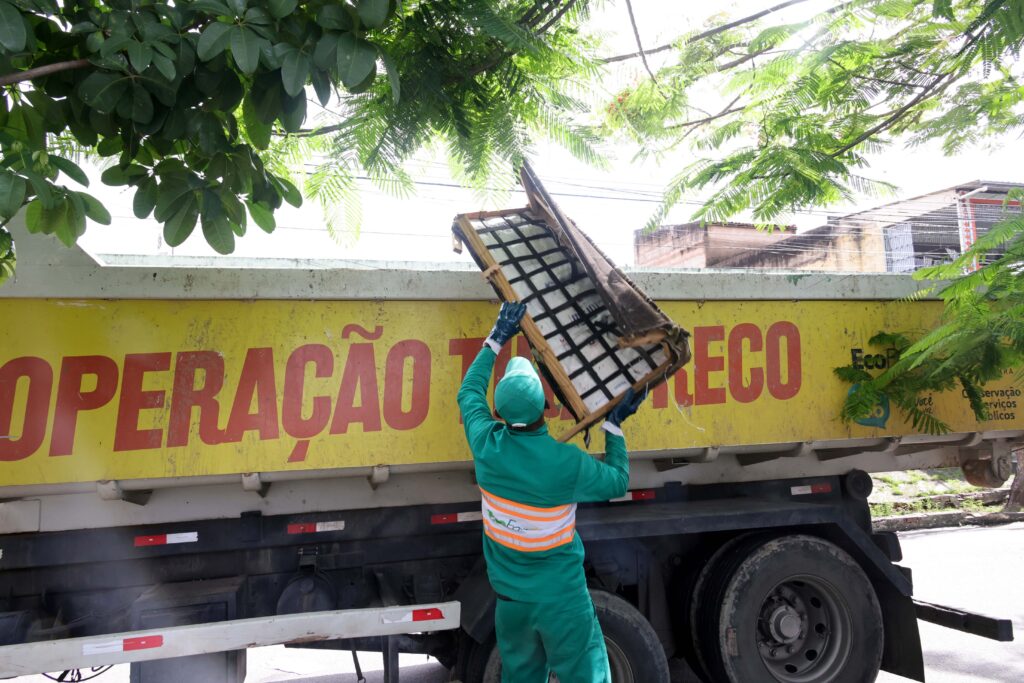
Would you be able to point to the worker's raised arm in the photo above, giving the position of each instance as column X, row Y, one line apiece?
column 597, row 480
column 472, row 397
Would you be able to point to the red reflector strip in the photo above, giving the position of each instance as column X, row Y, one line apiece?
column 314, row 527
column 429, row 614
column 158, row 539
column 143, row 643
column 104, row 647
column 810, row 489
column 444, row 519
column 639, row 494
column 453, row 517
column 167, row 539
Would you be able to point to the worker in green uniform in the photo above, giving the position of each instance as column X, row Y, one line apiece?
column 530, row 484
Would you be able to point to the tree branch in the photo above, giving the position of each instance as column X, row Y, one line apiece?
column 711, row 32
column 558, row 15
column 932, row 89
column 729, row 109
column 45, row 70
column 640, row 46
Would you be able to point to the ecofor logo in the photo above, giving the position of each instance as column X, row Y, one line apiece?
column 880, row 412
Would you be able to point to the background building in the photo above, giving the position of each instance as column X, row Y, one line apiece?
column 897, row 237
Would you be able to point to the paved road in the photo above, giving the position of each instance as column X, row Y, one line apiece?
column 980, row 569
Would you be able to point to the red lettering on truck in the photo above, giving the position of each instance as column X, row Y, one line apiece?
column 704, row 364
column 745, row 381
column 71, row 399
column 256, row 381
column 360, row 375
column 394, row 384
column 322, row 360
column 185, row 396
column 783, row 390
column 40, row 383
column 134, row 399
column 751, row 334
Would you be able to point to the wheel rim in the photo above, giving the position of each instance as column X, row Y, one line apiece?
column 803, row 631
column 618, row 662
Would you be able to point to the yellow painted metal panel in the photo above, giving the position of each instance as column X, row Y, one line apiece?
column 95, row 390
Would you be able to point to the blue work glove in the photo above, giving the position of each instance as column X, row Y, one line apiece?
column 626, row 407
column 507, row 325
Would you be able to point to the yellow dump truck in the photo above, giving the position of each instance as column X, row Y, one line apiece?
column 193, row 442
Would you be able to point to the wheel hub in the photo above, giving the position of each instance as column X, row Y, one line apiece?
column 802, row 632
column 785, row 624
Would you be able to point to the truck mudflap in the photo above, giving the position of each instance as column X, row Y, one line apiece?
column 957, row 619
column 235, row 634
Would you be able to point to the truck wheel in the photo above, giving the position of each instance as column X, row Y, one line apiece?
column 635, row 654
column 694, row 652
column 793, row 609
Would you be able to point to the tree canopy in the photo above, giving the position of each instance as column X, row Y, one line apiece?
column 200, row 105
column 784, row 115
column 799, row 105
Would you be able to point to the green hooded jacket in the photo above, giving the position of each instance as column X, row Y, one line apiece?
column 532, row 468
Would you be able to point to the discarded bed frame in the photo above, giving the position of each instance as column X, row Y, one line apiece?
column 594, row 334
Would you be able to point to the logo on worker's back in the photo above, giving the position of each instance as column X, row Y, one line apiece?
column 879, row 413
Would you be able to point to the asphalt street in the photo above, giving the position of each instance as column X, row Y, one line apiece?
column 975, row 568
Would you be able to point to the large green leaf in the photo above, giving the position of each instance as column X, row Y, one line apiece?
column 294, row 72
column 145, row 198
column 72, row 226
column 70, row 169
column 335, row 17
column 322, row 85
column 219, row 235
column 257, row 131
column 294, row 113
column 139, row 55
column 393, row 77
column 357, row 58
column 182, row 222
column 12, row 28
column 262, row 215
column 373, row 13
column 213, row 40
column 12, row 193
column 118, row 175
column 102, row 90
column 94, row 209
column 142, row 105
column 281, row 8
column 245, row 48
column 214, row 7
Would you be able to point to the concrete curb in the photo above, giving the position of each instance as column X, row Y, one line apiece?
column 937, row 520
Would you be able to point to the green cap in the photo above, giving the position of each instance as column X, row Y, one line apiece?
column 519, row 396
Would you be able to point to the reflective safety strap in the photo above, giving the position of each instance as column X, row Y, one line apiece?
column 525, row 527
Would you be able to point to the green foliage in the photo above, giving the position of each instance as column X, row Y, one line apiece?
column 200, row 106
column 980, row 338
column 801, row 103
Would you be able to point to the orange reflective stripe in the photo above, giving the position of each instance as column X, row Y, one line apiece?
column 512, row 503
column 539, row 539
column 495, row 536
column 526, row 528
column 562, row 510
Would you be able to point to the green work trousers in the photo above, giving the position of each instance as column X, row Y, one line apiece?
column 535, row 638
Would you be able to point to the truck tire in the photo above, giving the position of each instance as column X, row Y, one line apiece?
column 792, row 609
column 635, row 654
column 693, row 651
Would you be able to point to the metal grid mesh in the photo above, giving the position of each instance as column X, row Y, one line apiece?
column 567, row 310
